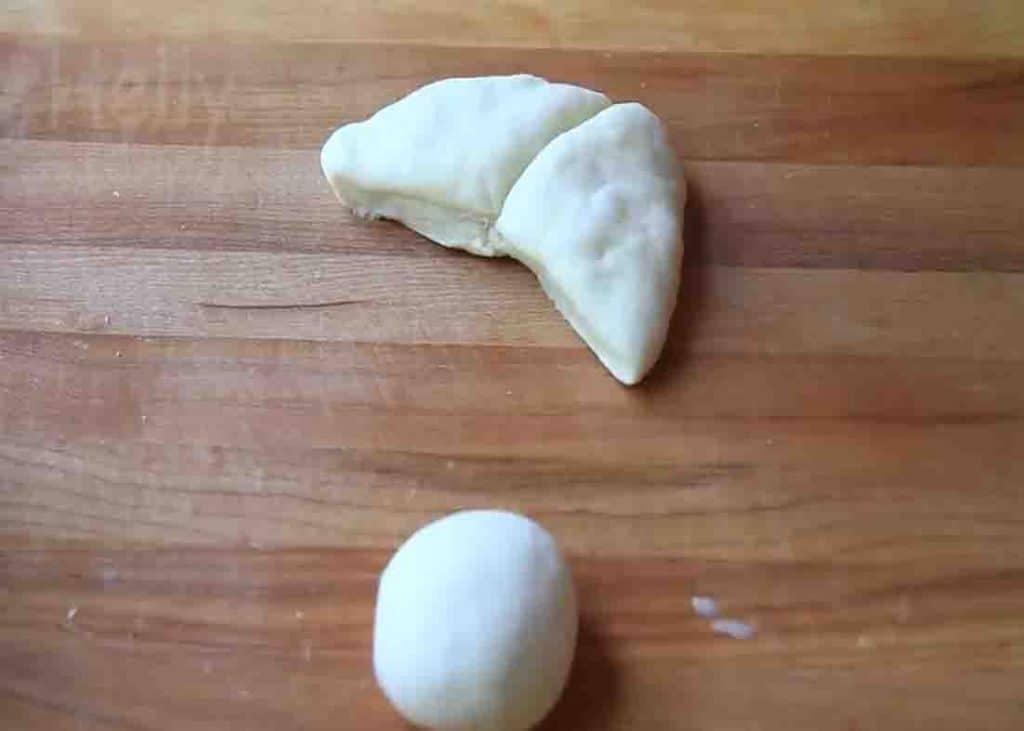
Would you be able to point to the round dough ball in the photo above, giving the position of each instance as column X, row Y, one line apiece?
column 476, row 623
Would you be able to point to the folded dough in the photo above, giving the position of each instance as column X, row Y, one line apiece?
column 584, row 193
column 442, row 159
column 595, row 217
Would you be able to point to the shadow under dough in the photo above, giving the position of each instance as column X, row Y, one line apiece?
column 588, row 701
column 692, row 299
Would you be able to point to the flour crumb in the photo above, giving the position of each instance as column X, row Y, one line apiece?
column 734, row 628
column 903, row 609
column 705, row 606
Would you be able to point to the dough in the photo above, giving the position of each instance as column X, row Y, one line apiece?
column 442, row 159
column 476, row 624
column 595, row 217
column 585, row 193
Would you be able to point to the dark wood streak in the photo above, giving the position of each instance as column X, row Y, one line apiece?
column 275, row 306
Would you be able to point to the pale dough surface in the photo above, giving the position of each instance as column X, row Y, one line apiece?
column 475, row 624
column 595, row 217
column 443, row 158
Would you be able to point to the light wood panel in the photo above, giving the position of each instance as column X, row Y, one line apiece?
column 875, row 27
column 847, row 110
column 207, row 639
column 453, row 299
column 741, row 214
column 288, row 443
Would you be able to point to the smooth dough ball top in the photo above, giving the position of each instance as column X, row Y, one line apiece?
column 476, row 623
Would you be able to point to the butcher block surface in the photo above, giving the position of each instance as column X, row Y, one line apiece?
column 224, row 401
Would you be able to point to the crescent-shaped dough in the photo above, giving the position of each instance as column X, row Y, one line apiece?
column 585, row 193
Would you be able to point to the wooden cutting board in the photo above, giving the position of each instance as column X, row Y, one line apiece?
column 224, row 401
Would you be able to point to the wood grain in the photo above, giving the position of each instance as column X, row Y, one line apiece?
column 846, row 110
column 894, row 27
column 740, row 213
column 207, row 638
column 224, row 401
column 287, row 444
column 465, row 301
